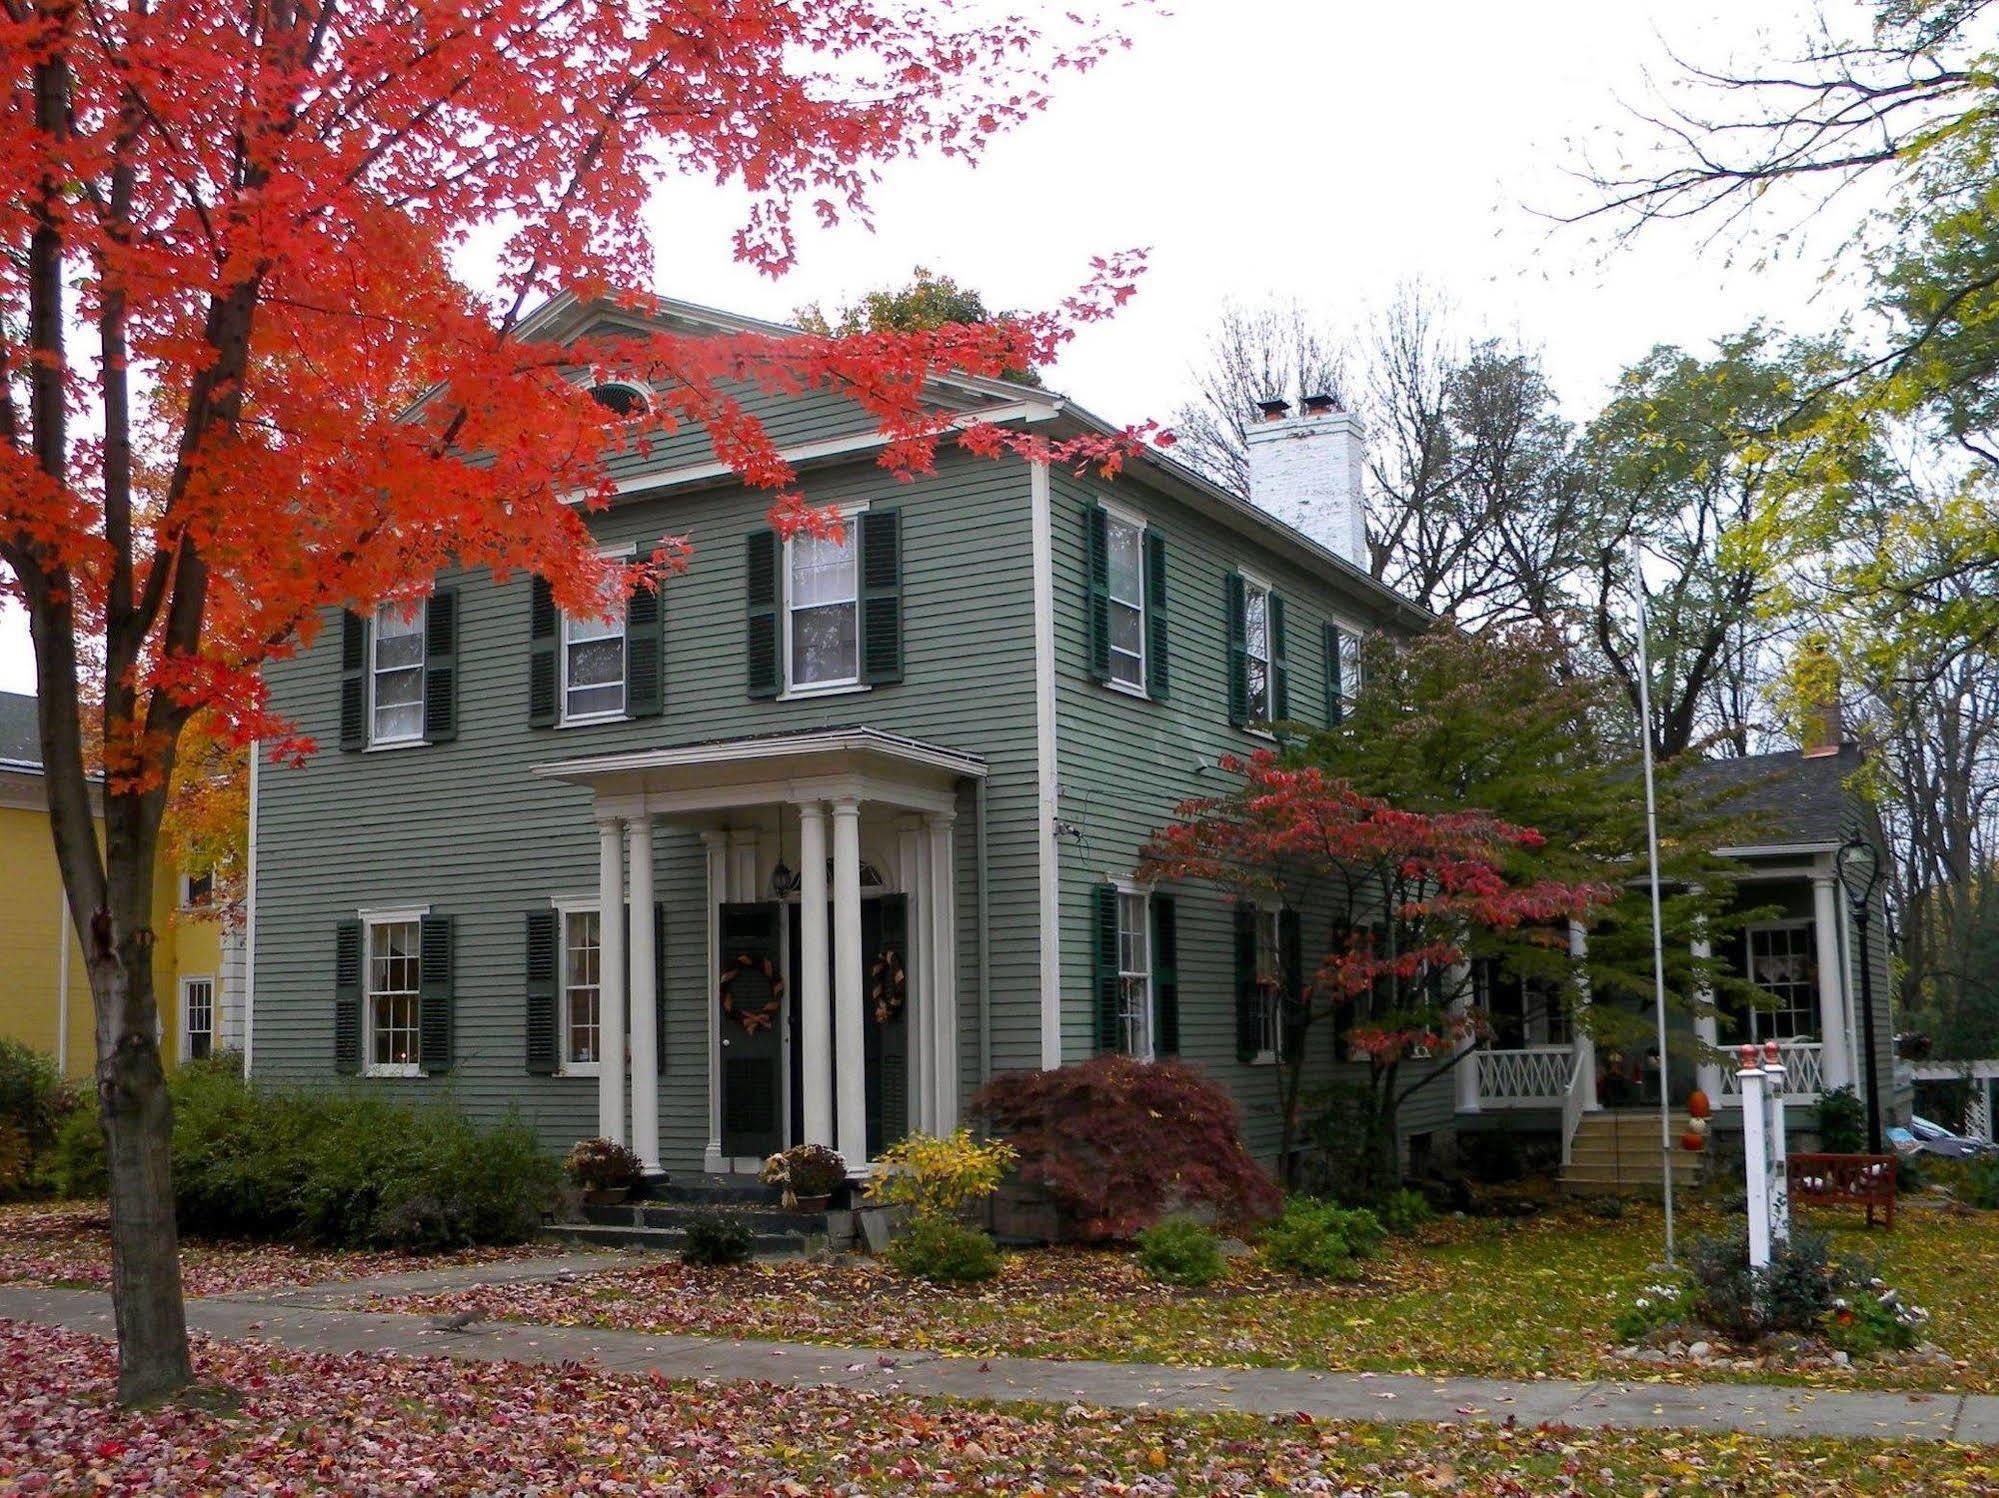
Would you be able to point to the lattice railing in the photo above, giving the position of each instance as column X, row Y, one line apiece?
column 1530, row 1077
column 1804, row 1071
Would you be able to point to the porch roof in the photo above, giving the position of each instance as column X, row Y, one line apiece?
column 768, row 767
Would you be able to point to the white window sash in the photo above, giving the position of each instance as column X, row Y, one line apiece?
column 851, row 547
column 1254, row 588
column 1119, row 521
column 376, row 671
column 189, row 987
column 371, row 922
column 1134, row 935
column 566, row 1065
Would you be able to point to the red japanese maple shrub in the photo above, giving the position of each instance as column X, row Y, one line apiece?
column 1118, row 1144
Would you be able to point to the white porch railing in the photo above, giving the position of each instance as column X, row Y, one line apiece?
column 1572, row 1110
column 1536, row 1076
column 1804, row 1072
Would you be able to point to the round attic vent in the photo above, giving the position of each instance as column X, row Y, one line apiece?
column 622, row 397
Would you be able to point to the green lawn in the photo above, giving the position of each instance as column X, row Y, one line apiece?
column 1473, row 1296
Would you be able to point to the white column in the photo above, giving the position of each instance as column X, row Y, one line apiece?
column 1707, row 1074
column 1776, row 1086
column 913, row 865
column 850, row 1031
column 1584, row 1044
column 1836, row 1052
column 716, row 841
column 941, row 896
column 1755, row 1157
column 645, row 999
column 815, row 969
column 611, row 979
column 1465, row 1069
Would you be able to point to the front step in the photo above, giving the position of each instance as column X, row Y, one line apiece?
column 669, row 1240
column 1620, row 1152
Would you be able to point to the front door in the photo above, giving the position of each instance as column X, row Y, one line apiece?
column 753, row 1024
column 885, row 1011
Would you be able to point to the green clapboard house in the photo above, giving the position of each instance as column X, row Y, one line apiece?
column 868, row 813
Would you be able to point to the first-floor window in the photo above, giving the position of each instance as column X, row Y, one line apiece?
column 1134, row 961
column 392, row 1004
column 1269, row 987
column 1783, row 962
column 581, row 974
column 197, row 1010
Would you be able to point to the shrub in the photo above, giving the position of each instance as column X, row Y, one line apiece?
column 1350, row 1150
column 940, row 1177
column 1871, row 1323
column 1792, row 1295
column 1911, row 1173
column 600, row 1164
column 76, row 1165
column 1403, row 1211
column 1979, row 1182
column 1118, row 1143
column 34, row 1101
column 1319, row 1240
column 1842, row 1122
column 716, row 1239
column 1654, row 1307
column 805, row 1170
column 1181, row 1252
column 940, row 1248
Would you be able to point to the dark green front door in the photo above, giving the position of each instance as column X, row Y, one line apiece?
column 753, row 1026
column 885, row 951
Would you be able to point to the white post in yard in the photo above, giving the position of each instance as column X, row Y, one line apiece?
column 1755, row 1158
column 1776, row 1084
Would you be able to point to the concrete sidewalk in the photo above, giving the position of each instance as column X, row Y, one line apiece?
column 309, row 1321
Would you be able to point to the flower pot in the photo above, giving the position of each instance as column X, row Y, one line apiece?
column 605, row 1196
column 813, row 1203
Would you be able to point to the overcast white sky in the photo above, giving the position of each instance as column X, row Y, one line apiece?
column 1321, row 150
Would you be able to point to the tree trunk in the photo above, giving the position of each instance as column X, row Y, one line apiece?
column 137, row 1117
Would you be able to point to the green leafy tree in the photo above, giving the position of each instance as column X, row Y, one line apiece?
column 928, row 302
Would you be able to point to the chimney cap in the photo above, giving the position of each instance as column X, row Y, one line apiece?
column 1319, row 403
column 1276, row 408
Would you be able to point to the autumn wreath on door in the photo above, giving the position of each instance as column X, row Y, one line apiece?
column 889, row 985
column 752, row 1017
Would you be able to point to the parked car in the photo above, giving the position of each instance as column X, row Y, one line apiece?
column 1927, row 1137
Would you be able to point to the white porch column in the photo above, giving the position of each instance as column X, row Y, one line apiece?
column 1584, row 1044
column 716, row 842
column 940, row 896
column 1707, row 1074
column 611, row 979
column 815, row 968
column 850, row 1031
column 913, row 866
column 1465, row 1077
column 1836, row 1053
column 645, row 999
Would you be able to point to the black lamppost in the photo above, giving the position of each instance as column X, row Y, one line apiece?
column 1859, row 871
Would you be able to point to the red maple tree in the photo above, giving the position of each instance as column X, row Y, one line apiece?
column 244, row 379
column 1403, row 894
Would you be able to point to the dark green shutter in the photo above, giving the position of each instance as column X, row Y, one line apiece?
column 544, row 640
column 347, row 997
column 1248, row 1002
column 544, row 959
column 1097, row 589
column 353, row 681
column 1291, row 952
column 440, row 666
column 645, row 652
column 760, row 604
column 1280, row 671
column 659, row 983
column 1110, row 1034
column 881, row 596
column 1237, row 599
column 1335, row 702
column 1166, row 974
column 1156, row 675
column 433, row 982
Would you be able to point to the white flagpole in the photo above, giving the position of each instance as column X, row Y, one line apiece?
column 1652, row 849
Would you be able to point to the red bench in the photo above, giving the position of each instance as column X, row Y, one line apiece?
column 1845, row 1180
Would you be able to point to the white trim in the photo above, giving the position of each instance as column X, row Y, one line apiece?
column 777, row 746
column 589, row 720
column 1117, row 514
column 564, row 907
column 370, row 919
column 187, row 981
column 418, row 611
column 250, row 918
column 62, row 976
column 851, row 544
column 382, row 914
column 827, row 689
column 1260, row 714
column 1046, row 763
column 390, row 746
column 1769, row 850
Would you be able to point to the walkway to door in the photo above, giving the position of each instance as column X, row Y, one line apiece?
column 867, row 815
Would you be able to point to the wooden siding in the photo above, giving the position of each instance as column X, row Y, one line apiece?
column 465, row 828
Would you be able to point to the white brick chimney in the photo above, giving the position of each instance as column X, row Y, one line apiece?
column 1305, row 470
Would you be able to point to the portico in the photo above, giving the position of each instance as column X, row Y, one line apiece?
column 826, row 905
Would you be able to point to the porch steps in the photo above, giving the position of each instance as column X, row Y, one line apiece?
column 1616, row 1153
column 657, row 1221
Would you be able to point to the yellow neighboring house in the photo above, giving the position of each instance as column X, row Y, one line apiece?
column 44, row 991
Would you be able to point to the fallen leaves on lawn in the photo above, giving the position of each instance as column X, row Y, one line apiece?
column 387, row 1426
column 70, row 1245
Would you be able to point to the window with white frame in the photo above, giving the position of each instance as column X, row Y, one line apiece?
column 197, row 1018
column 197, row 890
column 582, row 972
column 593, row 661
column 1351, row 665
column 1127, row 599
column 1256, row 646
column 1782, row 961
column 822, row 613
column 1269, row 987
column 391, row 1008
column 1134, row 962
column 395, row 674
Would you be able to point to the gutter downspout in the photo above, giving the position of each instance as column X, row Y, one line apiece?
column 250, row 922
column 62, row 979
column 985, row 937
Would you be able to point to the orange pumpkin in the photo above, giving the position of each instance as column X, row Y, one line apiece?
column 1698, row 1105
column 1691, row 1141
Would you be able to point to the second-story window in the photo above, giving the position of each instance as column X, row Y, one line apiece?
column 1126, row 554
column 396, row 674
column 1256, row 646
column 593, row 663
column 822, row 609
